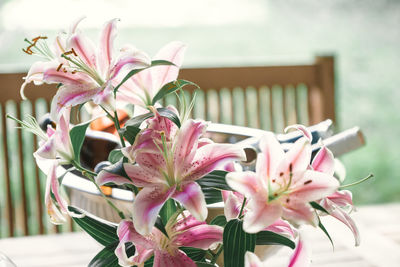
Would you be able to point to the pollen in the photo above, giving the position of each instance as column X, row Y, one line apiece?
column 59, row 67
column 72, row 51
column 307, row 182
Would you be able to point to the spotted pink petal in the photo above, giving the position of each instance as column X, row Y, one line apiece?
column 142, row 177
column 175, row 258
column 201, row 236
column 251, row 260
column 210, row 157
column 192, row 198
column 105, row 177
column 313, row 186
column 71, row 96
column 187, row 140
column 342, row 216
column 84, row 48
column 46, row 150
column 273, row 155
column 324, row 161
column 62, row 138
column 300, row 213
column 172, row 52
column 77, row 80
column 144, row 248
column 55, row 212
column 298, row 157
column 147, row 205
column 107, row 38
column 245, row 183
column 260, row 215
column 304, row 130
column 301, row 256
column 183, row 222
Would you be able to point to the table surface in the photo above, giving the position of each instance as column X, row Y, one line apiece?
column 380, row 244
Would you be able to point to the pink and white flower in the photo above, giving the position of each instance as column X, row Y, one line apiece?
column 142, row 87
column 86, row 73
column 340, row 203
column 183, row 230
column 169, row 161
column 282, row 186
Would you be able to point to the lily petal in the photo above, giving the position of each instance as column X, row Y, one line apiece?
column 300, row 213
column 342, row 198
column 301, row 256
column 273, row 155
column 131, row 58
column 106, row 45
column 201, row 236
column 324, row 161
column 211, row 156
column 232, row 204
column 305, row 131
column 147, row 205
column 173, row 52
column 245, row 182
column 298, row 157
column 107, row 177
column 260, row 215
column 313, row 186
column 251, row 260
column 141, row 177
column 55, row 211
column 192, row 198
column 187, row 140
column 177, row 258
column 84, row 47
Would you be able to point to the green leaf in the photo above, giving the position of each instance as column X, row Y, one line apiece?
column 160, row 226
column 77, row 136
column 215, row 179
column 170, row 88
column 320, row 225
column 195, row 254
column 103, row 232
column 212, row 184
column 107, row 257
column 168, row 209
column 236, row 243
column 271, row 238
column 132, row 126
column 115, row 156
column 219, row 220
column 135, row 71
column 317, row 206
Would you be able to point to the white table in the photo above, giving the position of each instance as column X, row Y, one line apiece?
column 380, row 244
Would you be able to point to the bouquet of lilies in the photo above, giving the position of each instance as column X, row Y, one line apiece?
column 174, row 171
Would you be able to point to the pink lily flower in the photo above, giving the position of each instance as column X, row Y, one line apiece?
column 169, row 161
column 56, row 143
column 340, row 203
column 84, row 74
column 300, row 258
column 57, row 207
column 282, row 185
column 142, row 87
column 183, row 231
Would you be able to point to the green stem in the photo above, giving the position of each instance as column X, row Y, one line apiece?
column 89, row 174
column 118, row 127
column 216, row 255
column 242, row 208
column 357, row 182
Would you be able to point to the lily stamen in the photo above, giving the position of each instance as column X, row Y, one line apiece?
column 59, row 67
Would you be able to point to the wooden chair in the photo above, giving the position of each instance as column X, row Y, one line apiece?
column 268, row 97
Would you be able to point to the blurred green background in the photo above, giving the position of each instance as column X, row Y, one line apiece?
column 364, row 36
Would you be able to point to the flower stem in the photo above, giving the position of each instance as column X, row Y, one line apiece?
column 242, row 208
column 357, row 182
column 118, row 127
column 216, row 255
column 89, row 174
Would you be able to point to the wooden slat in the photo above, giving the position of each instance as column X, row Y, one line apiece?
column 39, row 200
column 9, row 203
column 249, row 76
column 22, row 175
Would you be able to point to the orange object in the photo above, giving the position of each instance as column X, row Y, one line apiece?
column 105, row 124
column 106, row 190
